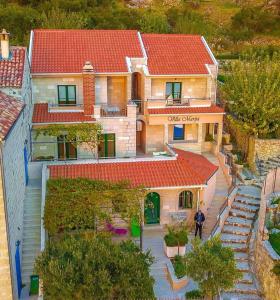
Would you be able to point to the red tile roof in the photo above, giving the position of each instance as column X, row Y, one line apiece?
column 176, row 54
column 186, row 110
column 42, row 115
column 11, row 70
column 186, row 170
column 10, row 109
column 65, row 51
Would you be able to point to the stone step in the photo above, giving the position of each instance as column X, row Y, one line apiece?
column 236, row 221
column 246, row 200
column 233, row 238
column 245, row 207
column 245, row 288
column 243, row 266
column 241, row 214
column 241, row 256
column 32, row 217
column 236, row 230
column 238, row 247
column 247, row 277
column 237, row 296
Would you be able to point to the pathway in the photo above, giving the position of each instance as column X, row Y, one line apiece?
column 221, row 193
column 31, row 233
column 236, row 234
column 153, row 240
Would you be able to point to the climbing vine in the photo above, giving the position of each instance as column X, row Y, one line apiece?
column 85, row 134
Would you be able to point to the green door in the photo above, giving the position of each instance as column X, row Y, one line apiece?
column 152, row 208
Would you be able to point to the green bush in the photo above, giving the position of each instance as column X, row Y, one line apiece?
column 194, row 294
column 209, row 137
column 275, row 200
column 179, row 265
column 176, row 236
column 276, row 269
column 274, row 239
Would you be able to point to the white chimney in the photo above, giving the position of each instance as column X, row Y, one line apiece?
column 5, row 49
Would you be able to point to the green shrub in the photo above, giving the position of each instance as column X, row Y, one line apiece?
column 194, row 294
column 179, row 265
column 274, row 239
column 176, row 236
column 275, row 200
column 209, row 137
column 276, row 269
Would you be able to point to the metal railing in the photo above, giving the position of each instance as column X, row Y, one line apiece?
column 176, row 101
column 140, row 106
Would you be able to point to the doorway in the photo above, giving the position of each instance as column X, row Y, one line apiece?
column 152, row 208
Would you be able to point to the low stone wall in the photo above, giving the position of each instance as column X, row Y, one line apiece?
column 267, row 148
column 265, row 259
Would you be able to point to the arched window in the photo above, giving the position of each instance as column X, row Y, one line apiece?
column 185, row 199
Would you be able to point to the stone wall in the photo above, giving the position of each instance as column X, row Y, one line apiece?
column 5, row 273
column 265, row 256
column 267, row 148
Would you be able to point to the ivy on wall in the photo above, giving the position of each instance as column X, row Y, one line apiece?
column 79, row 134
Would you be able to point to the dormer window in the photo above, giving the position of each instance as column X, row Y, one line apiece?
column 66, row 95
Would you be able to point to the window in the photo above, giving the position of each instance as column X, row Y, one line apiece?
column 173, row 89
column 185, row 200
column 66, row 150
column 178, row 132
column 106, row 147
column 66, row 94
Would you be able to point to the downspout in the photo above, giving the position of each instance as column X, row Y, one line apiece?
column 6, row 216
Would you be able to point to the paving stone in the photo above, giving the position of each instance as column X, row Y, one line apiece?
column 233, row 238
column 245, row 288
column 242, row 265
column 237, row 296
column 246, row 278
column 244, row 207
column 236, row 246
column 239, row 221
column 242, row 214
column 246, row 200
column 241, row 256
column 236, row 229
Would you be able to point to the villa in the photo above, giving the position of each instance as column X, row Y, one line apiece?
column 155, row 97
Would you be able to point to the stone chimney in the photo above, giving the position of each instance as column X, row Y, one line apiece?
column 5, row 48
column 88, row 88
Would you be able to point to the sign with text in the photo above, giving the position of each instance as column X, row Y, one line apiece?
column 183, row 119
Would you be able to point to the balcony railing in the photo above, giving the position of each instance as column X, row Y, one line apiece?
column 112, row 111
column 176, row 101
column 140, row 106
column 65, row 107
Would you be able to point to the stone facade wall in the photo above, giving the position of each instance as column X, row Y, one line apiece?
column 6, row 291
column 14, row 177
column 264, row 256
column 267, row 148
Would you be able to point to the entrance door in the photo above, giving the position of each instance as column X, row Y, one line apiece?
column 18, row 269
column 66, row 150
column 152, row 208
column 106, row 147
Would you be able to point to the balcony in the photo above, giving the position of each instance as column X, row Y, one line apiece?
column 178, row 102
column 65, row 107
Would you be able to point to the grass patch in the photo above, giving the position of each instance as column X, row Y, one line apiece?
column 274, row 239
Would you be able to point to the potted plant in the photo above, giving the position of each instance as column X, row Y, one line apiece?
column 226, row 142
column 175, row 241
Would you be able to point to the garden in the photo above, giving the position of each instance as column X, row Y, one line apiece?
column 208, row 263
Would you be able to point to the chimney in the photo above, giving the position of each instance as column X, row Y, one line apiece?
column 5, row 49
column 88, row 88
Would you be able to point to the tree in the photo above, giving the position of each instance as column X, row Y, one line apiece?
column 93, row 267
column 79, row 204
column 252, row 94
column 212, row 266
column 154, row 21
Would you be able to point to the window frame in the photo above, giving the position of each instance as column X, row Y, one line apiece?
column 106, row 138
column 66, row 101
column 181, row 138
column 61, row 140
column 185, row 200
column 173, row 89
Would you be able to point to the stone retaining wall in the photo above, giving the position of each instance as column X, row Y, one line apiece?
column 267, row 148
column 265, row 257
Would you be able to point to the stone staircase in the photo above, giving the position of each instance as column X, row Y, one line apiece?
column 236, row 234
column 31, row 230
column 264, row 166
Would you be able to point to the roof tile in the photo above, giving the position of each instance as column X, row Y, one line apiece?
column 186, row 110
column 186, row 170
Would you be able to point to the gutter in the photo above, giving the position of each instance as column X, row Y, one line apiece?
column 6, row 215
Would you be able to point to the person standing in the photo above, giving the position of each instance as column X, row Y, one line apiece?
column 199, row 218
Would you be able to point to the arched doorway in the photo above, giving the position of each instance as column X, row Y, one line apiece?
column 136, row 86
column 152, row 208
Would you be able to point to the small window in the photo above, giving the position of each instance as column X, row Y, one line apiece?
column 66, row 94
column 178, row 132
column 185, row 200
